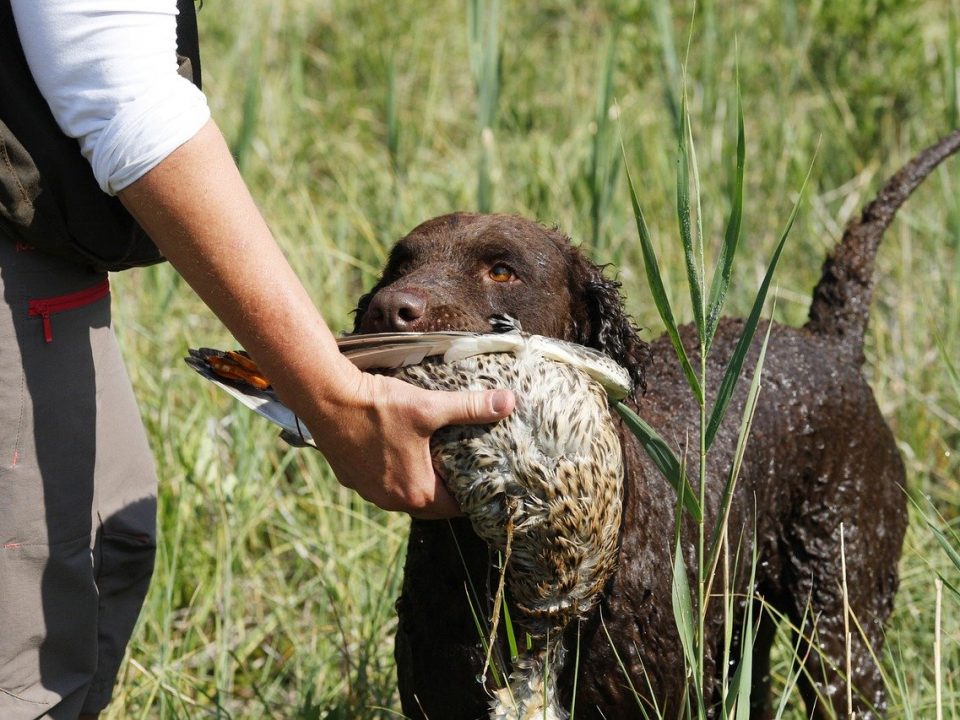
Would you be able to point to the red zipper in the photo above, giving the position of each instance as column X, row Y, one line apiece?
column 45, row 307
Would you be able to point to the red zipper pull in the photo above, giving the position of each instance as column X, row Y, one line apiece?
column 47, row 325
column 45, row 308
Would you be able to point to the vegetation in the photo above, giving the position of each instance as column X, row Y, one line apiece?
column 354, row 121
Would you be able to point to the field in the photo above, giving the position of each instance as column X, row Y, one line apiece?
column 354, row 120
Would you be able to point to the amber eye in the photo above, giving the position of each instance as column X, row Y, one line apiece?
column 501, row 273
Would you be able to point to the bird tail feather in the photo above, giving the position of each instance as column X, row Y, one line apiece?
column 532, row 691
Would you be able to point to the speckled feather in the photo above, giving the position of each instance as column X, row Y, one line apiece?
column 554, row 465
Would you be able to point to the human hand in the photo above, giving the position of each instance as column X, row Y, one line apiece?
column 380, row 445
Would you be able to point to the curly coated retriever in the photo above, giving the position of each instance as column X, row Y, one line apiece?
column 822, row 472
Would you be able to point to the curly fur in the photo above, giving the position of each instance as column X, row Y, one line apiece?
column 822, row 472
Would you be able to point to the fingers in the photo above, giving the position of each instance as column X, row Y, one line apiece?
column 440, row 409
column 382, row 447
column 471, row 408
column 430, row 410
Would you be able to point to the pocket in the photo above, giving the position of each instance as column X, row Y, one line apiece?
column 49, row 199
column 19, row 180
column 46, row 308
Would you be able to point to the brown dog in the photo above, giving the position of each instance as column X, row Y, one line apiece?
column 820, row 458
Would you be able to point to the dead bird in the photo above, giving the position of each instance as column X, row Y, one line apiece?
column 542, row 487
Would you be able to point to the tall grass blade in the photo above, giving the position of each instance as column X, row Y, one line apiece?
column 485, row 62
column 746, row 423
column 744, row 678
column 898, row 670
column 251, row 109
column 484, row 30
column 298, row 92
column 945, row 543
column 683, row 618
column 796, row 669
column 731, row 237
column 790, row 24
column 692, row 246
column 393, row 123
column 709, row 62
column 953, row 107
column 576, row 676
column 604, row 160
column 732, row 373
column 511, row 633
column 948, row 548
column 494, row 667
column 950, row 586
column 623, row 668
column 484, row 183
column 952, row 371
column 938, row 648
column 657, row 289
column 663, row 457
column 670, row 60
column 473, row 601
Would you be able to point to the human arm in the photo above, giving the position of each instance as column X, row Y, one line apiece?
column 373, row 430
column 193, row 202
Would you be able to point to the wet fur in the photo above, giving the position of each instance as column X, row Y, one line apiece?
column 820, row 457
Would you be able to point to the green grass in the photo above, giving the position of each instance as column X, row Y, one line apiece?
column 355, row 121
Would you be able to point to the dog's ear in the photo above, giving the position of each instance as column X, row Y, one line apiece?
column 600, row 320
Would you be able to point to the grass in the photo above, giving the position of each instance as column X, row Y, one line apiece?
column 354, row 121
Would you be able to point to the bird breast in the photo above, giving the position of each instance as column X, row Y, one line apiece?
column 550, row 474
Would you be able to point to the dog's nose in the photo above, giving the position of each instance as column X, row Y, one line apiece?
column 394, row 311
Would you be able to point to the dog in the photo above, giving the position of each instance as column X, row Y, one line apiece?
column 819, row 502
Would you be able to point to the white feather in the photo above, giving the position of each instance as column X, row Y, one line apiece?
column 393, row 350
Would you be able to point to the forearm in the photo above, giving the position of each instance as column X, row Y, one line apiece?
column 197, row 209
column 373, row 430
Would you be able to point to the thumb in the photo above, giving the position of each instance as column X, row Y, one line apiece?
column 473, row 408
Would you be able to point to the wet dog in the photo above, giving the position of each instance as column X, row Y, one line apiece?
column 822, row 478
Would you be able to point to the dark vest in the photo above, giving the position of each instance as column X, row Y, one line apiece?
column 49, row 198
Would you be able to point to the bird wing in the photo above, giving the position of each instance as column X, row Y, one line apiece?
column 394, row 350
column 236, row 374
column 612, row 376
column 263, row 402
column 388, row 351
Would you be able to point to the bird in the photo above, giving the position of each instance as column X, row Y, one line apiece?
column 542, row 487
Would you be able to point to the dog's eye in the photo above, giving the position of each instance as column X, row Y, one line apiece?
column 501, row 273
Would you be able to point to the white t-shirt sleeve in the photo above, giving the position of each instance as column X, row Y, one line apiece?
column 108, row 70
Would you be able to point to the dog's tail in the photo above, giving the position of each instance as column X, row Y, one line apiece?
column 841, row 300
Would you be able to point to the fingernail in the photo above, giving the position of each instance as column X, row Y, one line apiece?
column 500, row 402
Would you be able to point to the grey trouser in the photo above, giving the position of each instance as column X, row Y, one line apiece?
column 77, row 491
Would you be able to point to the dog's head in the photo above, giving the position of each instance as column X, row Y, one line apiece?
column 458, row 271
